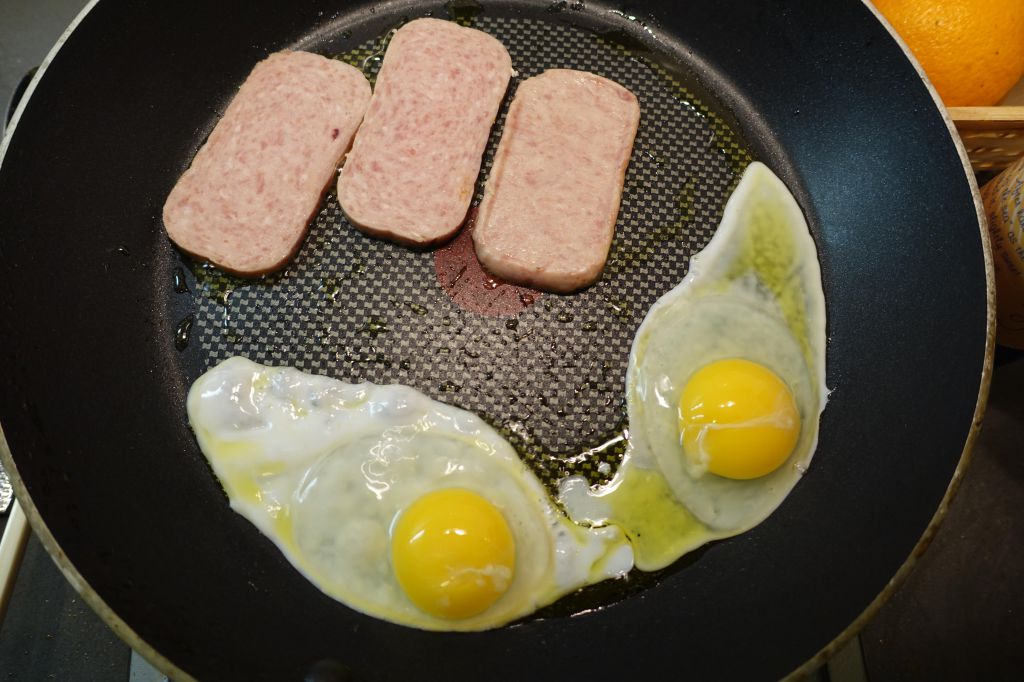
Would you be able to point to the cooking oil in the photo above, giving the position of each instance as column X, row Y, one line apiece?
column 183, row 332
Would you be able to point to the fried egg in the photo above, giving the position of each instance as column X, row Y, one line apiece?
column 397, row 505
column 725, row 385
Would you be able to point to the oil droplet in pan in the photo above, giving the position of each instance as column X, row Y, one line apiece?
column 180, row 285
column 183, row 332
column 330, row 289
column 619, row 308
column 375, row 326
column 449, row 387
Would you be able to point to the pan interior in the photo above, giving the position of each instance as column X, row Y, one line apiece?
column 549, row 376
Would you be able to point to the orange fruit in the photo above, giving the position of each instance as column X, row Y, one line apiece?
column 972, row 50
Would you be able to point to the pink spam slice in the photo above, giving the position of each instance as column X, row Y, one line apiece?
column 247, row 199
column 552, row 198
column 414, row 164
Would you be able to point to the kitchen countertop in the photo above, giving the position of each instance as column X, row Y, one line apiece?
column 959, row 615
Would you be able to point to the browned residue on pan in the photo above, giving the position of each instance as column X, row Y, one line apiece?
column 470, row 286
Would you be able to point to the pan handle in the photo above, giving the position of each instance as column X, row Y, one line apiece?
column 12, row 546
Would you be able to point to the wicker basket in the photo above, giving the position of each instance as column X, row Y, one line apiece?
column 993, row 136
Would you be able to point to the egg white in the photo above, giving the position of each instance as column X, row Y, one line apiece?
column 323, row 468
column 754, row 293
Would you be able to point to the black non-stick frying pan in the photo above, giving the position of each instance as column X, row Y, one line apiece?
column 105, row 325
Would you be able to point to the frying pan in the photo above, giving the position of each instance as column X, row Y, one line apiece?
column 98, row 362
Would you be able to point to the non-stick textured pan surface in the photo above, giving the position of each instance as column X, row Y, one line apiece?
column 548, row 371
column 92, row 312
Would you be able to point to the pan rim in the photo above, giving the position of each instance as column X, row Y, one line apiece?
column 921, row 546
column 130, row 637
column 21, row 496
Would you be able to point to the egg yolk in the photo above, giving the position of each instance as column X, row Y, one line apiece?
column 453, row 553
column 738, row 419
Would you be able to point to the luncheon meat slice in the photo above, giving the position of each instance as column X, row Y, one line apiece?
column 245, row 202
column 413, row 166
column 548, row 214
